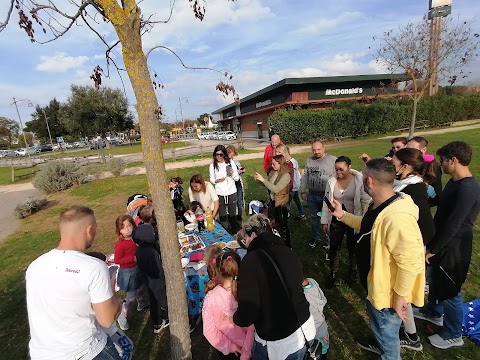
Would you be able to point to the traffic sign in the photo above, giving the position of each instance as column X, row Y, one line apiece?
column 59, row 139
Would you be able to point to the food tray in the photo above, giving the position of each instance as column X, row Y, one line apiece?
column 189, row 243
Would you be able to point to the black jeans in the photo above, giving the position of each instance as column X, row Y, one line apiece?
column 338, row 230
column 280, row 214
column 227, row 210
column 158, row 306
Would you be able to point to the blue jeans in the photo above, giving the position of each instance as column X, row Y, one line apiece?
column 259, row 352
column 385, row 325
column 298, row 203
column 315, row 204
column 452, row 312
column 109, row 352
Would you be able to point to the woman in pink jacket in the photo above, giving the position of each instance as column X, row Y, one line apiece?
column 230, row 340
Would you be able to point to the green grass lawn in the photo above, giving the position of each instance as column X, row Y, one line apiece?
column 345, row 310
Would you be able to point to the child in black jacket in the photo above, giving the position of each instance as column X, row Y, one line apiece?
column 149, row 262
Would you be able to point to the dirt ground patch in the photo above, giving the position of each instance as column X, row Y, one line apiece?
column 10, row 196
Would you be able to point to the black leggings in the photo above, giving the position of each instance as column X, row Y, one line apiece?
column 280, row 213
column 337, row 233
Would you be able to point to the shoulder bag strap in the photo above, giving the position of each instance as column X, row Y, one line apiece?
column 287, row 292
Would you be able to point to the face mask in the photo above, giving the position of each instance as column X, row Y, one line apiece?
column 399, row 173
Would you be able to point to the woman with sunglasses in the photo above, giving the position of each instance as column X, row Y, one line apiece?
column 224, row 174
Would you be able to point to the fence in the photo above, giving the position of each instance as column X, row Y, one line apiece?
column 203, row 150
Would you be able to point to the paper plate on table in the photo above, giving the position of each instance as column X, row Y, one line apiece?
column 233, row 245
column 222, row 244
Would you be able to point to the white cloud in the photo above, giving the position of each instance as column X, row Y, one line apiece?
column 184, row 29
column 329, row 23
column 60, row 62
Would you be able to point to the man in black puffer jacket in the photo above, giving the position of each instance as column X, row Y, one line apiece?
column 262, row 297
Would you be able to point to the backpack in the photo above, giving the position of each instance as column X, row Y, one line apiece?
column 135, row 203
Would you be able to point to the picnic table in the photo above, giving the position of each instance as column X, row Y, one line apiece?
column 196, row 272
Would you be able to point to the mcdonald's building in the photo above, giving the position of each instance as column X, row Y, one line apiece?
column 248, row 116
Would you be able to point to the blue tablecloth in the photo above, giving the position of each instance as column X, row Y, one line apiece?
column 196, row 274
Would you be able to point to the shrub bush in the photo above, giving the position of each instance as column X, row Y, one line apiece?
column 29, row 206
column 351, row 119
column 117, row 166
column 57, row 175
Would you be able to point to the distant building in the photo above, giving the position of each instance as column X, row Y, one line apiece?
column 249, row 116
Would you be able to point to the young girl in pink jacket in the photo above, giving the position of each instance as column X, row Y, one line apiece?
column 220, row 304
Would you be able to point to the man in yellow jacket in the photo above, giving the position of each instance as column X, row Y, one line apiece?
column 396, row 275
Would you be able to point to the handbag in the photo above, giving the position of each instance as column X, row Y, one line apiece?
column 314, row 350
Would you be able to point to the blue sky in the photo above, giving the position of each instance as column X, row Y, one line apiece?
column 258, row 41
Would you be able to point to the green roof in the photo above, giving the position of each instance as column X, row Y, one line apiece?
column 315, row 80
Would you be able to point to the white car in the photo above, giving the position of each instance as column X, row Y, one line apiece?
column 24, row 152
column 7, row 153
column 229, row 135
column 213, row 136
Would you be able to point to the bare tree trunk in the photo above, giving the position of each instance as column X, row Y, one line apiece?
column 414, row 117
column 147, row 105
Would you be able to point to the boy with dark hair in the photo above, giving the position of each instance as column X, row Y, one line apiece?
column 398, row 143
column 450, row 250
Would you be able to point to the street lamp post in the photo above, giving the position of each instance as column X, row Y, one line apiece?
column 181, row 114
column 21, row 126
column 48, row 127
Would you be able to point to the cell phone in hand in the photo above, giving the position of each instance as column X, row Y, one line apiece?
column 329, row 204
column 229, row 170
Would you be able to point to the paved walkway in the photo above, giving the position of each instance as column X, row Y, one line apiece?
column 11, row 195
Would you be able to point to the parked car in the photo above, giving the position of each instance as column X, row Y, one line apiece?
column 59, row 146
column 114, row 140
column 78, row 144
column 7, row 153
column 228, row 135
column 25, row 152
column 95, row 145
column 165, row 140
column 213, row 135
column 44, row 147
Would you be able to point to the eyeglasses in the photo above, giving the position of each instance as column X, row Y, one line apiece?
column 219, row 154
column 441, row 159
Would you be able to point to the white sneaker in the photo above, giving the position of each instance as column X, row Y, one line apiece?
column 158, row 328
column 417, row 313
column 123, row 323
column 441, row 343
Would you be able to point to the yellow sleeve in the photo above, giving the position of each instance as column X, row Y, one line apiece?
column 353, row 221
column 405, row 244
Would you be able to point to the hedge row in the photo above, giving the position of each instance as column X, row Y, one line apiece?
column 351, row 119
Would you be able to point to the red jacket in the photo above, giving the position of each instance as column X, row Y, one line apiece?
column 267, row 157
column 124, row 253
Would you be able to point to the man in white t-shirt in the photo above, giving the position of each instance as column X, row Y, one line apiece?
column 69, row 295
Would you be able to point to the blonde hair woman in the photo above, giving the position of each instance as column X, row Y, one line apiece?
column 279, row 185
column 295, row 173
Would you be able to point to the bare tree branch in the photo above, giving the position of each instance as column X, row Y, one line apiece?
column 180, row 59
column 150, row 22
column 107, row 54
column 3, row 25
